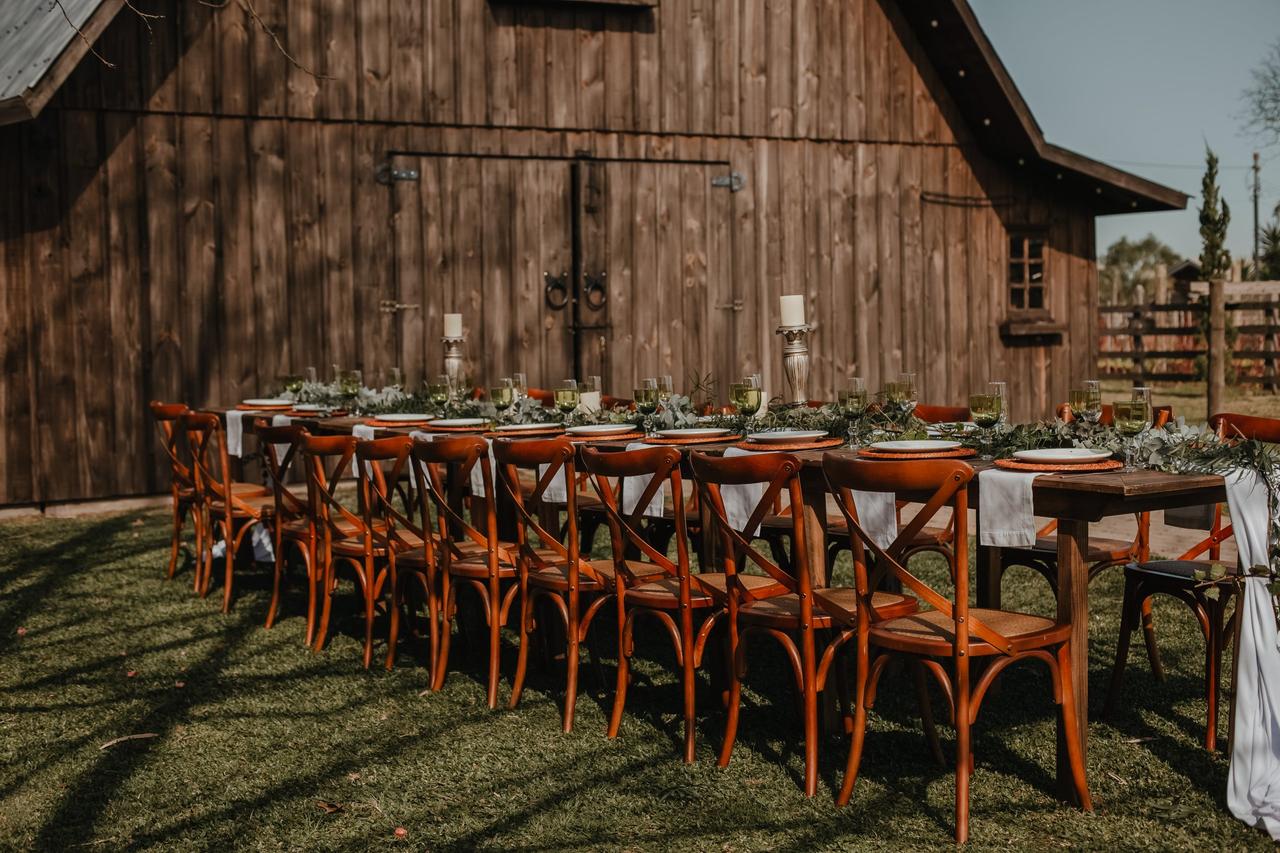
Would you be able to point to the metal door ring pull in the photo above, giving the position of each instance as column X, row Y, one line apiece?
column 594, row 292
column 556, row 290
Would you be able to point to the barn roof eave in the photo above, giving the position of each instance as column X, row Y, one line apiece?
column 42, row 51
column 1001, row 121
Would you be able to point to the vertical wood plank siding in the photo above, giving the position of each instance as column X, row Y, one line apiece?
column 206, row 217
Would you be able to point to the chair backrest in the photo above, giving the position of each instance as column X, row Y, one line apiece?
column 653, row 466
column 380, row 463
column 946, row 482
column 1229, row 425
column 941, row 414
column 608, row 401
column 281, row 446
column 555, row 456
column 210, row 467
column 1160, row 415
column 328, row 463
column 166, row 416
column 542, row 395
column 464, row 453
column 778, row 472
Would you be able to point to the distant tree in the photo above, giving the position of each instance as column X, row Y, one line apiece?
column 1269, row 260
column 1129, row 263
column 1215, row 216
column 1262, row 97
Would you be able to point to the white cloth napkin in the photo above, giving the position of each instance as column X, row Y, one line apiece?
column 424, row 436
column 878, row 515
column 632, row 489
column 1253, row 782
column 367, row 433
column 280, row 449
column 588, row 401
column 1005, row 513
column 235, row 431
column 740, row 501
column 477, row 473
column 260, row 538
column 557, row 491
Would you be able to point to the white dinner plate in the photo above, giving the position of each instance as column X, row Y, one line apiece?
column 926, row 446
column 266, row 401
column 783, row 436
column 693, row 432
column 1062, row 455
column 600, row 429
column 400, row 418
column 526, row 427
column 457, row 422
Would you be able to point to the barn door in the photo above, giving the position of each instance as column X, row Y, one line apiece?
column 475, row 235
column 566, row 268
column 657, row 235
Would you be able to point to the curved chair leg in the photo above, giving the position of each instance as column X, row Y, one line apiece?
column 858, row 735
column 393, row 617
column 1212, row 666
column 571, row 672
column 522, row 654
column 926, row 712
column 810, row 683
column 175, row 546
column 495, row 641
column 1130, row 613
column 367, row 591
column 326, row 605
column 233, row 547
column 964, row 754
column 624, row 676
column 446, row 631
column 735, row 696
column 1071, row 729
column 1149, row 637
column 274, row 607
column 689, row 683
column 309, row 559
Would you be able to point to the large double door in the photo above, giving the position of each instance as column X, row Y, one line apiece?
column 562, row 268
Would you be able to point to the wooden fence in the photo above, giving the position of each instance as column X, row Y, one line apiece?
column 1166, row 343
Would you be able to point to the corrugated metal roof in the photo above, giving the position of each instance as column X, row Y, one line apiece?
column 33, row 33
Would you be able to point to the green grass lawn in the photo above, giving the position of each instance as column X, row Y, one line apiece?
column 262, row 745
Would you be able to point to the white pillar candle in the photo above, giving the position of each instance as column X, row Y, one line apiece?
column 792, row 310
column 453, row 325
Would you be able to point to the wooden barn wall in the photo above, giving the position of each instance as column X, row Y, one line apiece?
column 196, row 226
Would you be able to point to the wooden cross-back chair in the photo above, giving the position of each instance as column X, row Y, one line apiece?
column 941, row 414
column 345, row 537
column 1176, row 578
column 182, row 486
column 385, row 467
column 551, row 571
column 227, row 506
column 654, row 585
column 291, row 520
column 950, row 631
column 468, row 556
column 1104, row 552
column 778, row 601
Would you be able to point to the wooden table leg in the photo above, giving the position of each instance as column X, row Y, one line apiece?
column 1073, row 607
column 813, row 488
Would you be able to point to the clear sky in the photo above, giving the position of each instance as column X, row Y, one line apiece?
column 1143, row 85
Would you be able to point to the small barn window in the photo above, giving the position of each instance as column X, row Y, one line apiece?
column 1027, row 271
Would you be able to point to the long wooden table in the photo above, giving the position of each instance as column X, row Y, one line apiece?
column 1075, row 500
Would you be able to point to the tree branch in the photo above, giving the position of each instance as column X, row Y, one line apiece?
column 80, row 33
column 247, row 6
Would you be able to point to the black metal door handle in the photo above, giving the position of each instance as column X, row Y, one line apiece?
column 594, row 292
column 556, row 290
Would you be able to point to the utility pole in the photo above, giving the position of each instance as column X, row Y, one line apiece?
column 1257, row 190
